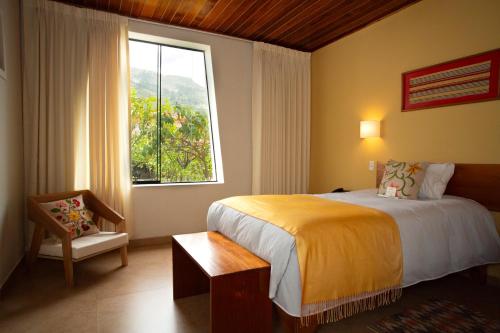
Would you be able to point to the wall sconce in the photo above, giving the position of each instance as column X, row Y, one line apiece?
column 369, row 129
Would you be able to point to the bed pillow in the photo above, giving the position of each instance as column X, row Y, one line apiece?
column 435, row 181
column 73, row 215
column 405, row 177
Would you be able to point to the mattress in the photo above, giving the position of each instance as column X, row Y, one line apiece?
column 438, row 237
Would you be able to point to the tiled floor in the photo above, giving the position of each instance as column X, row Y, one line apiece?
column 138, row 298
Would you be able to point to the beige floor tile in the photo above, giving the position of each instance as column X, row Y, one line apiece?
column 153, row 311
column 69, row 313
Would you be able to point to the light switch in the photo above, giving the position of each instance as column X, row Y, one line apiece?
column 371, row 165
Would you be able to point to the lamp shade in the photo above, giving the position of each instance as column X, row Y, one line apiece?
column 369, row 129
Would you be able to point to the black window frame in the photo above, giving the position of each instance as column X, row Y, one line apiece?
column 158, row 121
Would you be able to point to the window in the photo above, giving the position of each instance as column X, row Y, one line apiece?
column 172, row 120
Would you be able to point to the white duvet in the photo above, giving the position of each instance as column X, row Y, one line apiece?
column 438, row 237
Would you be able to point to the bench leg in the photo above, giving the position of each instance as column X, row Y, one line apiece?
column 124, row 256
column 239, row 302
column 188, row 278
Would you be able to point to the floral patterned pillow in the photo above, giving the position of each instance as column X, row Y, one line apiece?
column 406, row 177
column 73, row 215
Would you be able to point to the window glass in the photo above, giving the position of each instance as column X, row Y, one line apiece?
column 171, row 133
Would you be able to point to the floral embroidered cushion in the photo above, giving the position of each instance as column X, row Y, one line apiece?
column 73, row 215
column 405, row 177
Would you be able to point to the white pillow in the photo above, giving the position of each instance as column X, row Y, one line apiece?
column 436, row 178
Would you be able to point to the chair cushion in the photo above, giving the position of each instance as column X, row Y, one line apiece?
column 82, row 247
column 73, row 214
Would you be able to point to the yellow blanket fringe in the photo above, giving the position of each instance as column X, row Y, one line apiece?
column 339, row 312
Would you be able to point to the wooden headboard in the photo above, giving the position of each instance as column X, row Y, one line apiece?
column 479, row 182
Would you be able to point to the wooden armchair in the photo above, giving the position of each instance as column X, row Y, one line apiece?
column 78, row 249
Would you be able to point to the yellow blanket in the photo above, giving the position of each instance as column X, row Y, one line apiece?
column 349, row 256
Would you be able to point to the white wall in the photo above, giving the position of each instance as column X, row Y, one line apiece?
column 11, row 146
column 167, row 210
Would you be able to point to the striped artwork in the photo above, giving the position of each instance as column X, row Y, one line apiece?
column 464, row 80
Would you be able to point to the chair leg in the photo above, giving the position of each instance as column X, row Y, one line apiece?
column 68, row 262
column 124, row 255
column 36, row 242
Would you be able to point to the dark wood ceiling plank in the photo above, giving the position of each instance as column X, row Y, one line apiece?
column 167, row 12
column 125, row 7
column 106, row 5
column 133, row 6
column 137, row 9
column 177, row 5
column 182, row 8
column 356, row 16
column 214, row 15
column 269, row 21
column 309, row 18
column 358, row 24
column 328, row 19
column 160, row 10
column 261, row 12
column 204, row 11
column 149, row 8
column 299, row 24
column 94, row 3
column 241, row 10
column 99, row 4
column 113, row 6
column 192, row 13
column 293, row 17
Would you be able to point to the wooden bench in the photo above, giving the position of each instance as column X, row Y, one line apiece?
column 238, row 281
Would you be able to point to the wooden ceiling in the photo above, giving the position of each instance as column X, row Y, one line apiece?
column 304, row 25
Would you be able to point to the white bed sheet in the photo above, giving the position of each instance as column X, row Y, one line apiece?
column 438, row 237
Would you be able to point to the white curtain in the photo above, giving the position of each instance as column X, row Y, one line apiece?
column 75, row 102
column 280, row 120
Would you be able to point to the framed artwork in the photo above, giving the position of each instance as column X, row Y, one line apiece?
column 3, row 62
column 465, row 80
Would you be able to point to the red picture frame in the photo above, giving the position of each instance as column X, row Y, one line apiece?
column 471, row 79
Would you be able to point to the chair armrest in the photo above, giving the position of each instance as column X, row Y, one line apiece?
column 102, row 209
column 39, row 215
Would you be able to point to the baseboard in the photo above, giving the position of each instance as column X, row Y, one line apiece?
column 163, row 240
column 7, row 279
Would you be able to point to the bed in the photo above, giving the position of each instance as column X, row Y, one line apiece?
column 438, row 237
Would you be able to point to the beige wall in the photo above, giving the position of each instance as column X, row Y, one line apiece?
column 11, row 163
column 359, row 78
column 167, row 210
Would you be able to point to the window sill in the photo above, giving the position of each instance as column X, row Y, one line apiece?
column 176, row 184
